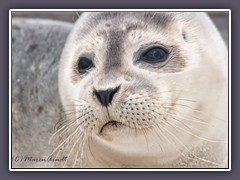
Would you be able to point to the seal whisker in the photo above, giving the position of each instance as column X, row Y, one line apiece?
column 175, row 137
column 90, row 141
column 63, row 128
column 145, row 135
column 169, row 141
column 196, row 119
column 80, row 100
column 78, row 133
column 189, row 130
column 155, row 131
column 64, row 142
column 59, row 146
column 205, row 139
column 81, row 146
column 76, row 158
column 192, row 109
column 73, row 146
column 66, row 128
column 66, row 118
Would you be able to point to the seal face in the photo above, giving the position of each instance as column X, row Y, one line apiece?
column 143, row 89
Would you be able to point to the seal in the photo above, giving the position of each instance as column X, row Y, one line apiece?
column 143, row 89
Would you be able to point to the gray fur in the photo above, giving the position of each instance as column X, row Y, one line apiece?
column 153, row 18
column 114, row 51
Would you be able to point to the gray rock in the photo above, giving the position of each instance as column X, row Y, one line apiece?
column 36, row 50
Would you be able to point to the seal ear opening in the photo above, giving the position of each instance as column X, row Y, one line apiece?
column 184, row 35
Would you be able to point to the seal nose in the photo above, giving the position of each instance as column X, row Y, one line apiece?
column 105, row 96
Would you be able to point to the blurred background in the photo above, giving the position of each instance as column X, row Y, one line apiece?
column 220, row 19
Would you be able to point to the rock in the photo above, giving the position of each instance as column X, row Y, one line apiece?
column 36, row 51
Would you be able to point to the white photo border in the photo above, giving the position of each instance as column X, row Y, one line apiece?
column 119, row 169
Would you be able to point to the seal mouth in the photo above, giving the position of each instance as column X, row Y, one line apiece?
column 111, row 123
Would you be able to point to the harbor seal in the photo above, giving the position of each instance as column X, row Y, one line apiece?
column 143, row 89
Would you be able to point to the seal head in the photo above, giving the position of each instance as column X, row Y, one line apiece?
column 144, row 89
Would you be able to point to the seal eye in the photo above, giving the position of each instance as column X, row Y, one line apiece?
column 84, row 64
column 155, row 55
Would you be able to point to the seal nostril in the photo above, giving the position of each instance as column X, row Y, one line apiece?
column 105, row 96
